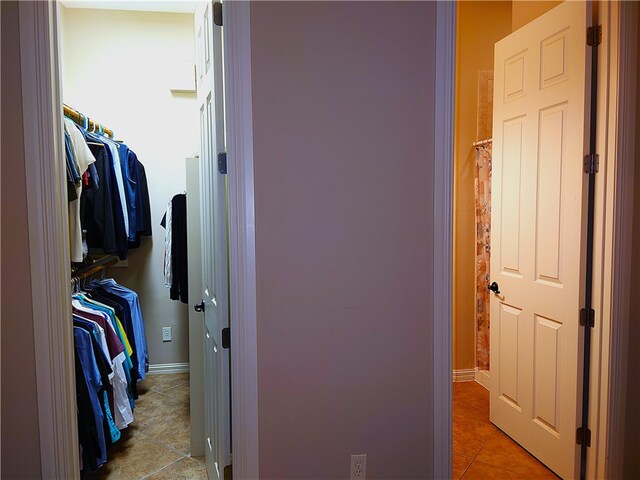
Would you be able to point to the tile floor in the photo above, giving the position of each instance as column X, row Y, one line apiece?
column 156, row 445
column 481, row 450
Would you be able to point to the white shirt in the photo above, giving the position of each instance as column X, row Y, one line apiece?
column 168, row 271
column 83, row 158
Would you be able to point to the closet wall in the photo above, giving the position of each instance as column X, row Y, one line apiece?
column 117, row 66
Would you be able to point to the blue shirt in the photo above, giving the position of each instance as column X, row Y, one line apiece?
column 87, row 325
column 128, row 164
column 128, row 364
column 84, row 348
column 140, row 339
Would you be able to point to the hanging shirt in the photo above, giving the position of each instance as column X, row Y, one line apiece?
column 167, row 224
column 82, row 157
column 117, row 170
column 130, row 178
column 179, row 262
column 122, row 412
column 123, row 313
column 140, row 338
column 102, row 209
column 118, row 328
column 86, row 355
column 98, row 333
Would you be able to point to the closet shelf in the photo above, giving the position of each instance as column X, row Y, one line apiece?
column 100, row 264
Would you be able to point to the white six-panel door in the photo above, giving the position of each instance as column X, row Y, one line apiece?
column 536, row 252
column 214, row 241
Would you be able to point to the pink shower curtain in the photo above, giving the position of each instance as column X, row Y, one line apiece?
column 483, row 251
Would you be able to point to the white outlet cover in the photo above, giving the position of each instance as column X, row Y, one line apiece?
column 358, row 467
column 166, row 334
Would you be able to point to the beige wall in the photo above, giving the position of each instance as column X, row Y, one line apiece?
column 632, row 419
column 116, row 67
column 525, row 11
column 20, row 432
column 343, row 144
column 480, row 26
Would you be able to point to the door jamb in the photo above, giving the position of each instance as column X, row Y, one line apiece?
column 48, row 240
column 612, row 275
column 242, row 244
column 443, row 238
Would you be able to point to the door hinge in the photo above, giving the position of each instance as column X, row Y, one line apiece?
column 222, row 163
column 591, row 163
column 583, row 435
column 587, row 317
column 226, row 337
column 594, row 35
column 217, row 13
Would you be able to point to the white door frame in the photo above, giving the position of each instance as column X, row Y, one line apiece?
column 49, row 243
column 242, row 240
column 442, row 310
column 49, row 256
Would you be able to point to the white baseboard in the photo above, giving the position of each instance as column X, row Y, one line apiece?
column 163, row 368
column 464, row 375
column 483, row 378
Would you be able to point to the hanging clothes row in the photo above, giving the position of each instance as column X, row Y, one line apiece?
column 176, row 273
column 107, row 192
column 111, row 356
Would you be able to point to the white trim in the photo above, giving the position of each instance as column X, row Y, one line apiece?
column 443, row 237
column 242, row 248
column 464, row 375
column 166, row 368
column 483, row 377
column 48, row 240
column 619, row 216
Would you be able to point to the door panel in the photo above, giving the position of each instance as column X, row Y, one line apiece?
column 537, row 186
column 214, row 242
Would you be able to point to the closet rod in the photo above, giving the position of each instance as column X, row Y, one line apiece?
column 482, row 143
column 79, row 118
column 99, row 265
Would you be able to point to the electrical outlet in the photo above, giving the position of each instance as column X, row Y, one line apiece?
column 166, row 334
column 358, row 467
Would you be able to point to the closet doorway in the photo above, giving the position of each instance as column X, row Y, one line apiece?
column 152, row 73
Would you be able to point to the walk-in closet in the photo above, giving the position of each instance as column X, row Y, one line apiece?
column 131, row 120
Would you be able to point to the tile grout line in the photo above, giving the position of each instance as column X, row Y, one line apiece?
column 160, row 469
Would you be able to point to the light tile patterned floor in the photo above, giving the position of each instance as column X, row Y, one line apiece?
column 156, row 445
column 482, row 451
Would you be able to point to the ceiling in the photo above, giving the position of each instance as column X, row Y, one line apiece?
column 171, row 6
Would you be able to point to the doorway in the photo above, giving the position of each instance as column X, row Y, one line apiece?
column 149, row 101
column 479, row 27
column 597, row 394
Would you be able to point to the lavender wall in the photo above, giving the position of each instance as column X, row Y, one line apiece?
column 343, row 104
column 20, row 431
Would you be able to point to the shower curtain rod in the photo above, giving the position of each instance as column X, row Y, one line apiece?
column 482, row 143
